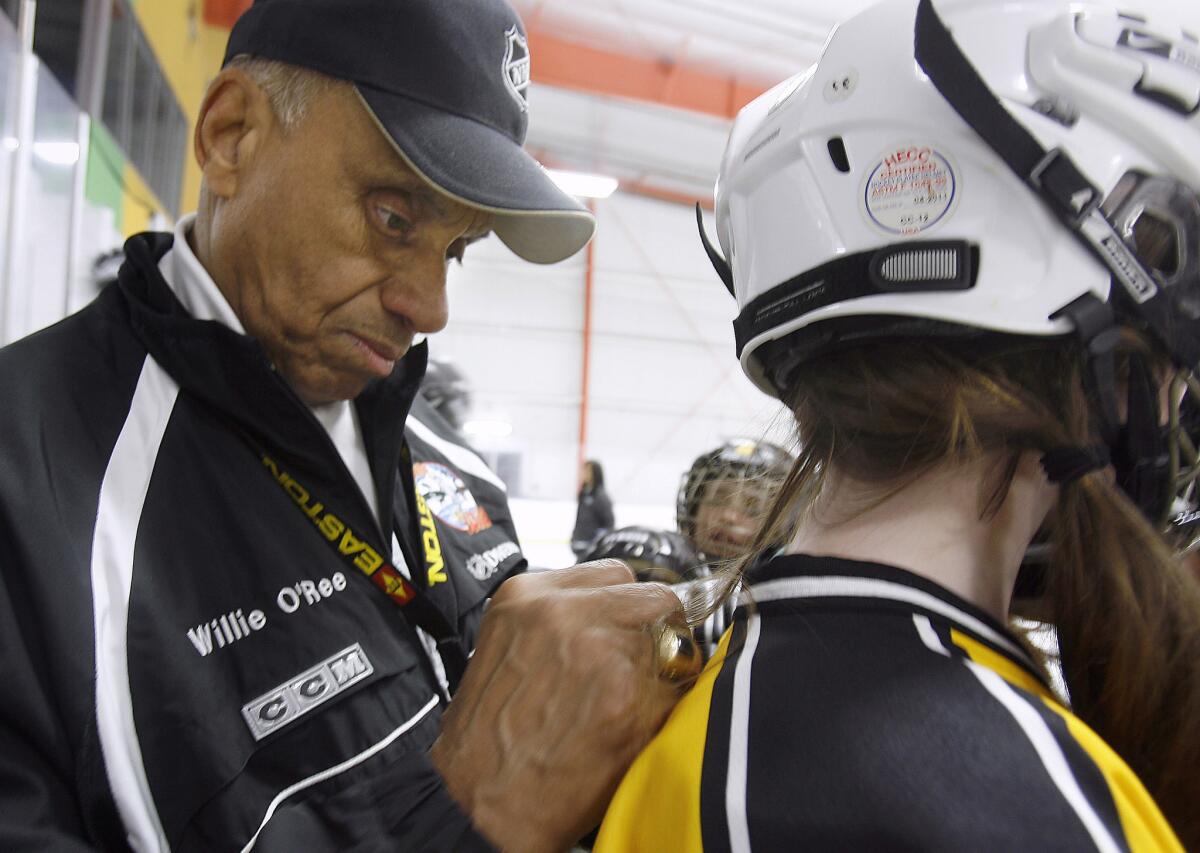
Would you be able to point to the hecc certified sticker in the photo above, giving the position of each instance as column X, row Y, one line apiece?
column 911, row 189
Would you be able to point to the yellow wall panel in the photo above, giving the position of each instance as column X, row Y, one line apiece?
column 139, row 204
column 189, row 52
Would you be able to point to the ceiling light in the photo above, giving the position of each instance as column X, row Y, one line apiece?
column 490, row 428
column 57, row 153
column 584, row 185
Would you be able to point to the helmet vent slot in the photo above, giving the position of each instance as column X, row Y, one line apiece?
column 920, row 265
column 936, row 265
column 837, row 153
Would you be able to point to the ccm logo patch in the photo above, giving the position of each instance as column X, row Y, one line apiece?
column 297, row 696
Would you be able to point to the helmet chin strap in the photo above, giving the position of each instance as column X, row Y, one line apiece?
column 1138, row 445
column 1140, row 456
column 1098, row 334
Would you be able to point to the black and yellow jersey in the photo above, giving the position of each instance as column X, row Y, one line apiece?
column 857, row 706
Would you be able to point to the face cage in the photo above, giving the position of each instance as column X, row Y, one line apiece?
column 1182, row 528
column 751, row 480
column 1159, row 220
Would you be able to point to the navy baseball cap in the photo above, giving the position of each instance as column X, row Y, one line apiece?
column 446, row 81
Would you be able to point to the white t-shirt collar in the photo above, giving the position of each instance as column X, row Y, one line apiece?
column 191, row 283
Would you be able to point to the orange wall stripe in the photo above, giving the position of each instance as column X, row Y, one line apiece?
column 558, row 62
column 223, row 13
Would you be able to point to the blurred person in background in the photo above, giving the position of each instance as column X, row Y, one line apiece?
column 594, row 513
column 446, row 389
column 239, row 608
column 984, row 298
column 467, row 531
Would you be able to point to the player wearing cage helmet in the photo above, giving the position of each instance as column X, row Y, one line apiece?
column 726, row 491
column 964, row 247
column 660, row 556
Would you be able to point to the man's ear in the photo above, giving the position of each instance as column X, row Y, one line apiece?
column 235, row 118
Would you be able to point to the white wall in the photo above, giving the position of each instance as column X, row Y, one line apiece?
column 665, row 385
column 36, row 205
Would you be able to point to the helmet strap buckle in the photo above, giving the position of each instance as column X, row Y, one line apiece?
column 1059, row 181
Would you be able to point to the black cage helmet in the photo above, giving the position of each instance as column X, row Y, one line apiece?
column 654, row 555
column 743, row 460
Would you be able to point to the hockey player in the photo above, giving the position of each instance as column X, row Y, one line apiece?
column 725, row 492
column 660, row 556
column 963, row 246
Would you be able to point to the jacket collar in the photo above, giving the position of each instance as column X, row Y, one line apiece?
column 232, row 373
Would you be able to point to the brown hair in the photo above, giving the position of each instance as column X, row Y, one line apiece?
column 1127, row 614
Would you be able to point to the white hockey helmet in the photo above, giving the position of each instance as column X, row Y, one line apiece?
column 1028, row 168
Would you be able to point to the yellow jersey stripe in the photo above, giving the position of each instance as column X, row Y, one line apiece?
column 1144, row 826
column 1015, row 675
column 664, row 781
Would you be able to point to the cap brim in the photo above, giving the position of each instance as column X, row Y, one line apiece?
column 482, row 168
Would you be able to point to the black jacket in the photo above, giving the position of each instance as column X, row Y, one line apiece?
column 186, row 661
column 593, row 518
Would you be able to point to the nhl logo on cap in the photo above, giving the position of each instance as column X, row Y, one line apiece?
column 516, row 66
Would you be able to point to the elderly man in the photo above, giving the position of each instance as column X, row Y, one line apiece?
column 217, row 631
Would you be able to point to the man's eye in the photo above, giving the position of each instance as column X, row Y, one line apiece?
column 393, row 221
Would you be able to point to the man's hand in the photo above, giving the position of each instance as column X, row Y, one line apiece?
column 558, row 700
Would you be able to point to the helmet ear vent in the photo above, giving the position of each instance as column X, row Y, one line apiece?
column 837, row 153
column 942, row 265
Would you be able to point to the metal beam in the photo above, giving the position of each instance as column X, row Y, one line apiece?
column 93, row 55
column 589, row 275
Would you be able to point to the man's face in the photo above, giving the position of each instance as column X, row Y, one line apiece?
column 334, row 252
column 728, row 516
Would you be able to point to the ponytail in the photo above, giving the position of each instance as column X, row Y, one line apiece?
column 1128, row 621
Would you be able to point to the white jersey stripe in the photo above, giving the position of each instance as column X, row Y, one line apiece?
column 330, row 772
column 739, row 742
column 463, row 458
column 1049, row 752
column 851, row 587
column 122, row 497
column 929, row 636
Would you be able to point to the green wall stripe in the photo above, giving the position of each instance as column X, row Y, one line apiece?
column 105, row 170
